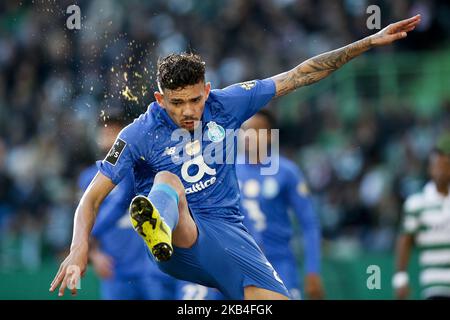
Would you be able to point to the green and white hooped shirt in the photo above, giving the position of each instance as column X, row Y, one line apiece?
column 427, row 217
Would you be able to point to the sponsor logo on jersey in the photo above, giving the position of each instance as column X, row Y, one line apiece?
column 194, row 149
column 202, row 169
column 199, row 186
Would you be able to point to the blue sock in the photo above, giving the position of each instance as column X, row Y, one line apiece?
column 165, row 199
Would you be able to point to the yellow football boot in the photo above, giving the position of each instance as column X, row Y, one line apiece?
column 149, row 224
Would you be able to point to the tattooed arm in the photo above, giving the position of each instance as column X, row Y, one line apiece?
column 319, row 67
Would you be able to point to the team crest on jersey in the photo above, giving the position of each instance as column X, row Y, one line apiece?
column 116, row 151
column 248, row 85
column 216, row 132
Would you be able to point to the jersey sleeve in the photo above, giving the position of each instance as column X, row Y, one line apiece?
column 301, row 203
column 243, row 100
column 410, row 220
column 122, row 155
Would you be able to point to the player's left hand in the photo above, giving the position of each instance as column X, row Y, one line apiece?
column 313, row 287
column 395, row 31
column 70, row 271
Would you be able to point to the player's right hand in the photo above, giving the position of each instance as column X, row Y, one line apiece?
column 402, row 293
column 70, row 271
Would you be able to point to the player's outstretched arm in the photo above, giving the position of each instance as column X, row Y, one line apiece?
column 319, row 67
column 74, row 266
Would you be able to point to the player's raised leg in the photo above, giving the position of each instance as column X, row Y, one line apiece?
column 163, row 213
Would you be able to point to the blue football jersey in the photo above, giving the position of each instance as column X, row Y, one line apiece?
column 266, row 201
column 204, row 162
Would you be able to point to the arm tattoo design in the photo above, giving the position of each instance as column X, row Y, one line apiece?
column 318, row 67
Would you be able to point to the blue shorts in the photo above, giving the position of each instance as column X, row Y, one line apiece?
column 161, row 287
column 287, row 269
column 225, row 257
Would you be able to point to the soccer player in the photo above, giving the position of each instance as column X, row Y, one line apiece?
column 187, row 210
column 117, row 253
column 426, row 226
column 266, row 200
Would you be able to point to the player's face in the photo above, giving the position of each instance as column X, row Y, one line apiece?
column 185, row 106
column 106, row 136
column 440, row 169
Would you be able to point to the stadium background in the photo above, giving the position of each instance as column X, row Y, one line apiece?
column 362, row 136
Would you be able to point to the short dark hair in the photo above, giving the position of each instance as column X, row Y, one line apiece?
column 270, row 117
column 179, row 70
